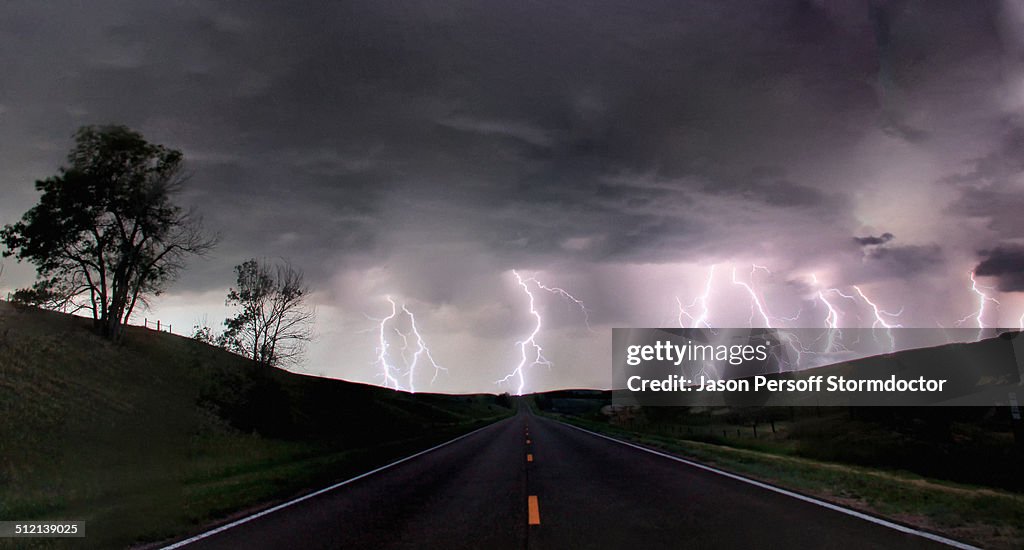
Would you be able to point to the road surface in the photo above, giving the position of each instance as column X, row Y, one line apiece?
column 531, row 482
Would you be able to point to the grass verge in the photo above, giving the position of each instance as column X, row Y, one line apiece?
column 982, row 516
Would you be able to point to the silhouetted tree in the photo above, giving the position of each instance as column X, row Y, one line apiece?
column 275, row 322
column 55, row 294
column 106, row 233
column 204, row 334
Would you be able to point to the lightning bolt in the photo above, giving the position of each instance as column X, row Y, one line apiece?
column 391, row 372
column 831, row 318
column 754, row 300
column 757, row 304
column 977, row 315
column 702, row 319
column 565, row 294
column 879, row 319
column 528, row 346
column 421, row 351
column 382, row 349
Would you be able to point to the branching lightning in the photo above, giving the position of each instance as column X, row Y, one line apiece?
column 400, row 362
column 527, row 346
column 387, row 371
column 391, row 372
column 880, row 315
column 831, row 318
column 755, row 302
column 565, row 294
column 980, row 312
column 421, row 351
column 702, row 300
column 530, row 352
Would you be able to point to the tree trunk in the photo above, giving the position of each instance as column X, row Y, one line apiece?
column 111, row 328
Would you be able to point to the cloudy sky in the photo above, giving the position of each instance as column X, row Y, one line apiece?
column 617, row 151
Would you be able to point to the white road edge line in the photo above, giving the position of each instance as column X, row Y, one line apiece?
column 281, row 506
column 822, row 503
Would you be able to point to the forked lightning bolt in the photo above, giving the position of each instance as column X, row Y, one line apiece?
column 421, row 351
column 702, row 300
column 880, row 315
column 831, row 319
column 385, row 358
column 980, row 312
column 757, row 306
column 754, row 300
column 530, row 352
column 565, row 294
column 382, row 349
column 528, row 347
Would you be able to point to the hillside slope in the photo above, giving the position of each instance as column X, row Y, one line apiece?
column 153, row 437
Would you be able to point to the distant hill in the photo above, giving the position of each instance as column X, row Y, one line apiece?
column 148, row 438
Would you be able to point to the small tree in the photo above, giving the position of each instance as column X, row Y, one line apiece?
column 275, row 322
column 204, row 334
column 106, row 233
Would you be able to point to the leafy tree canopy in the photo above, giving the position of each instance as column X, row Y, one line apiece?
column 107, row 233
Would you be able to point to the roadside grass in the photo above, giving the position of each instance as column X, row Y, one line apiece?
column 162, row 435
column 978, row 515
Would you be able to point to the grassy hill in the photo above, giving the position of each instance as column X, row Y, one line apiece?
column 161, row 434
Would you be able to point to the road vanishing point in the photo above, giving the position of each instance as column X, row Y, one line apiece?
column 532, row 482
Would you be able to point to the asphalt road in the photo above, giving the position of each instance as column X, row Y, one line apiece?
column 579, row 491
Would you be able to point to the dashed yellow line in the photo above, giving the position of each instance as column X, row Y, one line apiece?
column 533, row 507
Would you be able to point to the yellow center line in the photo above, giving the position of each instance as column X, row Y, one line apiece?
column 529, row 457
column 534, row 510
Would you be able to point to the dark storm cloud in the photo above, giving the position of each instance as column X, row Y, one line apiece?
column 989, row 190
column 1005, row 161
column 881, row 260
column 312, row 132
column 1006, row 264
column 871, row 241
column 427, row 148
column 518, row 111
column 904, row 261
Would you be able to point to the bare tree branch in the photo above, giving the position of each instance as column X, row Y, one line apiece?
column 275, row 322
